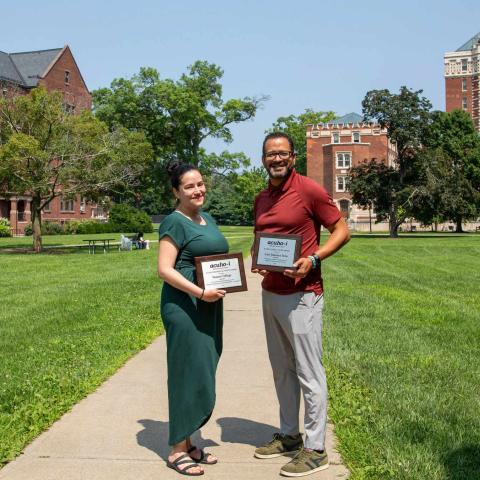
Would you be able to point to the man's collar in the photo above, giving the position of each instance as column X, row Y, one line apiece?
column 285, row 185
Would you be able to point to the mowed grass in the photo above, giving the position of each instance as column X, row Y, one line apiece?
column 67, row 322
column 402, row 350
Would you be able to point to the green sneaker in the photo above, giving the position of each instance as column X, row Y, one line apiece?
column 305, row 463
column 280, row 445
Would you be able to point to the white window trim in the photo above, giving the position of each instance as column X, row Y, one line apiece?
column 337, row 189
column 336, row 160
column 359, row 137
column 464, row 83
column 333, row 138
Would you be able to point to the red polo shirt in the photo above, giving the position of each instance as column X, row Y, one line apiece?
column 297, row 206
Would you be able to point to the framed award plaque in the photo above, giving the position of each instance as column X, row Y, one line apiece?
column 276, row 252
column 225, row 272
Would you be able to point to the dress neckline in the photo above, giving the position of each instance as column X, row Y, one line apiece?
column 189, row 219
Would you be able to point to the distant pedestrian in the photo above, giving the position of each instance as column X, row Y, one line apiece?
column 293, row 303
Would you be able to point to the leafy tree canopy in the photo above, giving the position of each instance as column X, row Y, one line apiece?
column 176, row 116
column 47, row 152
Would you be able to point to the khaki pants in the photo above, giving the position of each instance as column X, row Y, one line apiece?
column 293, row 326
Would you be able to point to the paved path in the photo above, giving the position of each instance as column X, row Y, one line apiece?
column 120, row 431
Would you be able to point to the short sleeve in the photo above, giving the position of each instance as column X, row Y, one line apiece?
column 173, row 228
column 322, row 206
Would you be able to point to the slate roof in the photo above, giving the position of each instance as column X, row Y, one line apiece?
column 470, row 44
column 25, row 68
column 348, row 118
column 8, row 71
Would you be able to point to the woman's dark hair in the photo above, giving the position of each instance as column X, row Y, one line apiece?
column 176, row 169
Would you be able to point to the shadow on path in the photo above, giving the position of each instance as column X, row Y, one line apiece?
column 154, row 436
column 241, row 430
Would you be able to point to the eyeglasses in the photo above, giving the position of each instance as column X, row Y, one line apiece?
column 281, row 155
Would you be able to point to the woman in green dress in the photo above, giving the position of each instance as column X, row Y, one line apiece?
column 193, row 317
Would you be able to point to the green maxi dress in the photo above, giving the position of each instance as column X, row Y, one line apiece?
column 193, row 328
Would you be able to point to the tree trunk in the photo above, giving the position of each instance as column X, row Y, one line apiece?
column 37, row 225
column 392, row 221
column 459, row 228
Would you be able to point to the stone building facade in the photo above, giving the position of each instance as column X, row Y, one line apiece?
column 334, row 147
column 56, row 70
column 462, row 71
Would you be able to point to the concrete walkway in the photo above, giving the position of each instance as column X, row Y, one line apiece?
column 120, row 431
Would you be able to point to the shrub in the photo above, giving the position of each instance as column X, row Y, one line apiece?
column 124, row 218
column 5, row 228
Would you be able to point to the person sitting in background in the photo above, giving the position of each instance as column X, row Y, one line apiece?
column 139, row 241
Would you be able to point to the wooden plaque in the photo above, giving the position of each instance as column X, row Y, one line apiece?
column 225, row 271
column 276, row 252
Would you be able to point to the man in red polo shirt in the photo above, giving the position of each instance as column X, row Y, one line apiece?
column 293, row 303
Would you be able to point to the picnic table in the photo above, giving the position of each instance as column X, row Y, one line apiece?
column 92, row 243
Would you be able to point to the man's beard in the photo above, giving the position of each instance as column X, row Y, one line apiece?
column 280, row 175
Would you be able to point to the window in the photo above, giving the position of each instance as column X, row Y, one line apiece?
column 335, row 137
column 66, row 205
column 464, row 103
column 345, row 208
column 464, row 85
column 356, row 137
column 46, row 208
column 4, row 92
column 341, row 182
column 67, row 77
column 344, row 159
column 464, row 64
column 83, row 205
column 69, row 108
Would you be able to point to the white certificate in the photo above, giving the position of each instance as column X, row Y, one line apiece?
column 221, row 273
column 276, row 252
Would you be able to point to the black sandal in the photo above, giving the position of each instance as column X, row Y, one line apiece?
column 203, row 456
column 182, row 460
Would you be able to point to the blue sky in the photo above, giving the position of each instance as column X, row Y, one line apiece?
column 323, row 55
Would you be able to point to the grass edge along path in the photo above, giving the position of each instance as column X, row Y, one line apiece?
column 69, row 322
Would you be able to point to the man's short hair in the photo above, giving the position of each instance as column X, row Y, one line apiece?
column 273, row 135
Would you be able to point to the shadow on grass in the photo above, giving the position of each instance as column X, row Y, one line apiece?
column 241, row 430
column 463, row 463
column 154, row 436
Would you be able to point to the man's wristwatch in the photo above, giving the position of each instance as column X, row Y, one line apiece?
column 317, row 260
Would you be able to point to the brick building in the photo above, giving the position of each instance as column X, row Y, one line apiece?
column 462, row 70
column 334, row 147
column 54, row 69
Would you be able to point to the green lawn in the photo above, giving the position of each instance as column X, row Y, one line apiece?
column 67, row 322
column 402, row 345
column 402, row 350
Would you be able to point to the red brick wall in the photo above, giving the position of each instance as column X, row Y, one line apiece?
column 56, row 213
column 321, row 157
column 76, row 92
column 454, row 94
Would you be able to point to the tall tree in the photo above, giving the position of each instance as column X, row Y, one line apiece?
column 176, row 116
column 407, row 118
column 451, row 161
column 296, row 127
column 47, row 152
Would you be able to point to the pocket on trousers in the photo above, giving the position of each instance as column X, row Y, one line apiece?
column 302, row 317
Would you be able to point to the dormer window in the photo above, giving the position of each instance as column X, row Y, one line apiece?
column 67, row 77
